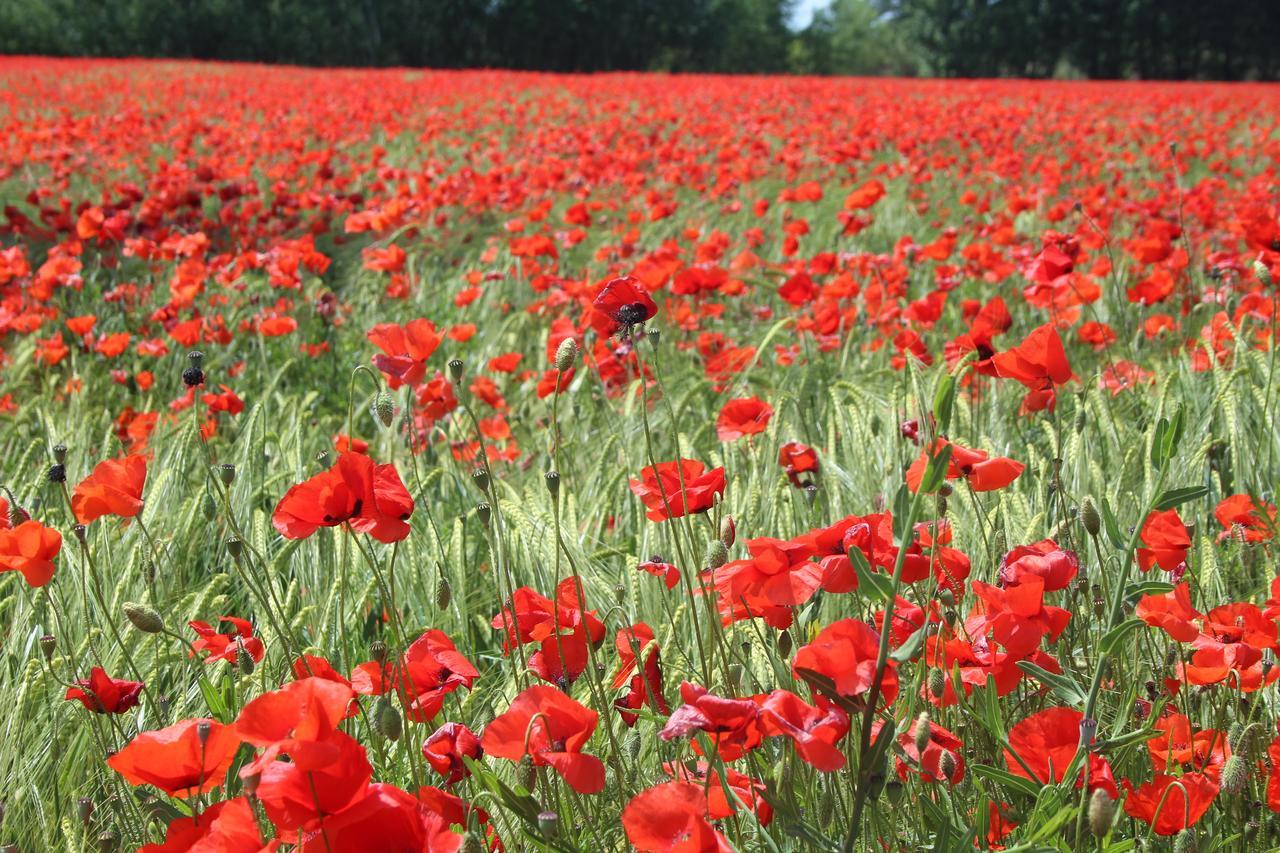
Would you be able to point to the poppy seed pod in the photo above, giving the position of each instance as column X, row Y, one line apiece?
column 481, row 478
column 549, row 825
column 784, row 644
column 1262, row 272
column 203, row 729
column 1089, row 516
column 227, row 473
column 48, row 645
column 654, row 337
column 483, row 511
column 1102, row 811
column 456, row 368
column 84, row 810
column 80, row 531
column 235, row 548
column 378, row 651
column 566, row 355
column 143, row 617
column 60, row 454
column 108, row 841
column 552, row 479
column 384, row 408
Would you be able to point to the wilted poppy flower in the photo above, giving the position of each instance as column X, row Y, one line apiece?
column 446, row 748
column 844, row 653
column 225, row 827
column 983, row 473
column 1166, row 539
column 1170, row 804
column 29, row 548
column 405, row 350
column 175, row 760
column 673, row 489
column 103, row 694
column 226, row 646
column 732, row 725
column 551, row 729
column 672, row 818
column 370, row 497
column 114, row 488
column 743, row 416
column 625, row 301
column 796, row 459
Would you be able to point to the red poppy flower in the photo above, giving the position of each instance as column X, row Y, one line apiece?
column 743, row 790
column 1016, row 618
column 561, row 629
column 1166, row 539
column 435, row 399
column 674, row 489
column 625, row 301
column 446, row 748
column 1243, row 517
column 405, row 350
column 29, row 548
column 928, row 764
column 815, row 730
column 743, row 416
column 1179, row 745
column 431, row 668
column 1046, row 742
column 1170, row 804
column 1045, row 560
column 314, row 783
column 114, row 488
column 732, row 725
column 672, row 818
column 103, row 694
column 369, row 496
column 174, row 760
column 551, row 729
column 1172, row 612
column 296, row 718
column 384, row 818
column 983, row 473
column 226, row 827
column 659, row 569
column 632, row 643
column 226, row 646
column 796, row 459
column 1039, row 363
column 845, row 653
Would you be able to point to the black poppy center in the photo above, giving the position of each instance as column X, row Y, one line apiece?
column 632, row 313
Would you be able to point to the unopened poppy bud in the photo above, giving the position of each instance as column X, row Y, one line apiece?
column 384, row 408
column 60, row 453
column 84, row 810
column 481, row 478
column 922, row 732
column 48, row 645
column 947, row 597
column 735, row 676
column 717, row 554
column 549, row 825
column 482, row 512
column 1263, row 272
column 244, row 660
column 1236, row 735
column 456, row 368
column 57, row 473
column 203, row 730
column 1186, row 842
column 566, row 354
column 143, row 617
column 937, row 683
column 552, row 479
column 728, row 531
column 235, row 548
column 527, row 774
column 1082, row 418
column 444, row 593
column 942, row 506
column 387, row 719
column 1102, row 811
column 227, row 473
column 193, row 376
column 945, row 490
column 1235, row 774
column 208, row 507
column 378, row 651
column 947, row 764
column 1089, row 516
column 784, row 644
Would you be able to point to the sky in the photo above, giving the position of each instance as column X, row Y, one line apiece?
column 804, row 10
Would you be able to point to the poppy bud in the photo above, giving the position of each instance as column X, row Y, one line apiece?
column 876, row 785
column 227, row 473
column 1236, row 735
column 1089, row 515
column 235, row 548
column 1262, row 272
column 717, row 554
column 728, row 531
column 378, row 651
column 947, row 764
column 1186, row 842
column 48, row 645
column 937, row 683
column 922, row 732
column 1235, row 774
column 387, row 720
column 947, row 597
column 527, row 774
column 455, row 369
column 1102, row 811
column 143, row 617
column 203, row 729
column 946, row 490
column 482, row 512
column 384, row 409
column 481, row 478
column 444, row 593
column 549, row 825
column 633, row 745
column 208, row 507
column 57, row 473
column 784, row 644
column 244, row 660
column 735, row 676
column 60, row 453
column 193, row 376
column 552, row 479
column 472, row 843
column 1082, row 418
column 566, row 354
column 942, row 506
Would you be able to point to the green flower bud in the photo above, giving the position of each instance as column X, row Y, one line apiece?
column 1102, row 811
column 387, row 719
column 566, row 354
column 143, row 617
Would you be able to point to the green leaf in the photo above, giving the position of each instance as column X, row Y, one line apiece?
column 936, row 471
column 1006, row 779
column 1112, row 639
column 944, row 400
column 1111, row 525
column 1137, row 590
column 910, row 648
column 901, row 508
column 1063, row 686
column 1175, row 497
column 871, row 584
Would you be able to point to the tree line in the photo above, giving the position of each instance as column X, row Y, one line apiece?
column 1168, row 39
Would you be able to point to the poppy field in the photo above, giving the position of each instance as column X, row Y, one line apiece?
column 457, row 461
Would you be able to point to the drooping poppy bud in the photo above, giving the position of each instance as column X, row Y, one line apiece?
column 143, row 617
column 1102, row 810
